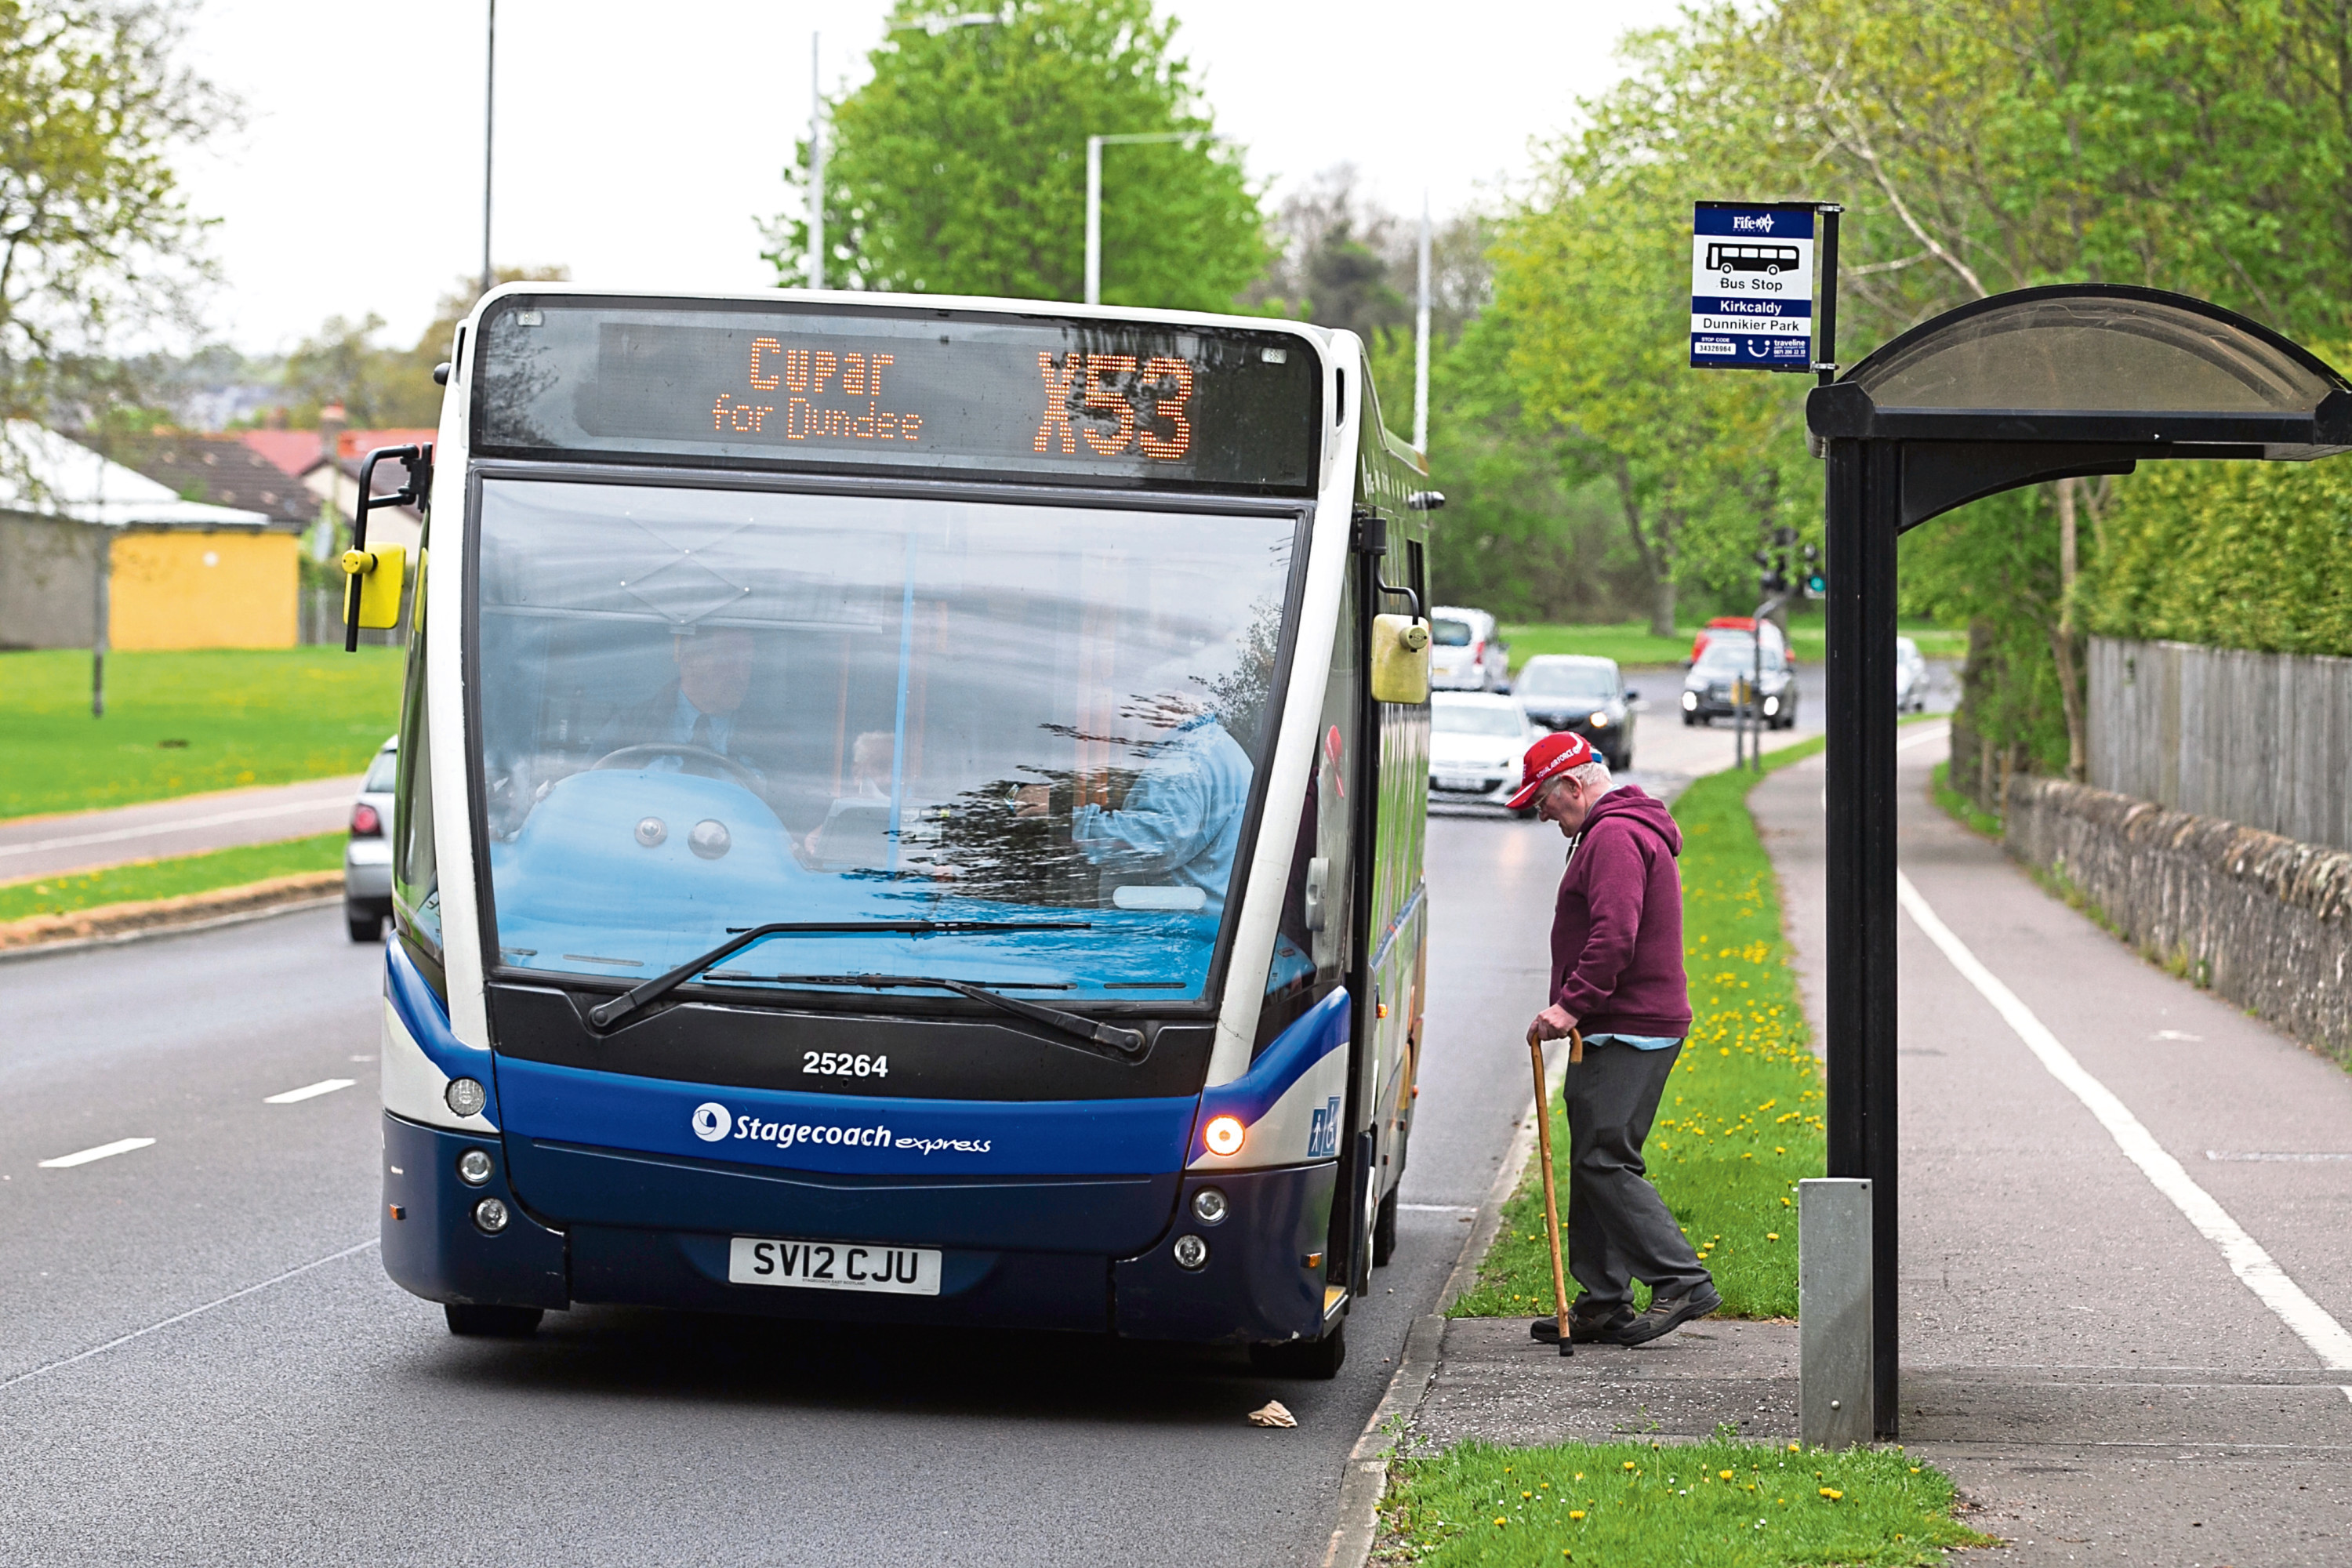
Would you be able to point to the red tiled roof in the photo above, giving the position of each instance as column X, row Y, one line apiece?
column 295, row 451
column 360, row 443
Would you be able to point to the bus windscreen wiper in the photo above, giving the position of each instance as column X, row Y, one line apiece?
column 604, row 1015
column 1125, row 1043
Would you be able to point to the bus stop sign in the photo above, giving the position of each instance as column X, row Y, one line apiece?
column 1752, row 286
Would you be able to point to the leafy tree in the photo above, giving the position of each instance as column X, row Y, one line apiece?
column 96, row 235
column 960, row 166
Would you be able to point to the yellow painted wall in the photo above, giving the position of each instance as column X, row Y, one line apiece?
column 202, row 590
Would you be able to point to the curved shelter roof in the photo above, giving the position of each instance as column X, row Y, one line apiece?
column 2082, row 378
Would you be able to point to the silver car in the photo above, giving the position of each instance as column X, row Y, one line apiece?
column 367, row 857
column 1910, row 677
column 1466, row 651
column 1478, row 744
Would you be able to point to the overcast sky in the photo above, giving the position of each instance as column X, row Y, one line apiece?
column 638, row 143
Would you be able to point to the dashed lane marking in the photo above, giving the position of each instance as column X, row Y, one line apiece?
column 119, row 1146
column 309, row 1090
column 2261, row 1274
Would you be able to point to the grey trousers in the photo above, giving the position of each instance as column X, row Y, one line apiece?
column 1618, row 1229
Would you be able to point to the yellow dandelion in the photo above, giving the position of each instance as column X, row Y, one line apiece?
column 1772, row 1236
column 1576, row 1513
column 1628, row 1464
column 1724, row 1474
column 1830, row 1493
column 1527, row 1494
column 1500, row 1522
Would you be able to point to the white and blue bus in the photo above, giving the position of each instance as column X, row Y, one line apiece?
column 897, row 821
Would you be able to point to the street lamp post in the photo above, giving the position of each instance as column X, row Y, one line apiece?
column 489, row 125
column 1095, row 144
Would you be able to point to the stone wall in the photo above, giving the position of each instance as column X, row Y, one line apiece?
column 2265, row 921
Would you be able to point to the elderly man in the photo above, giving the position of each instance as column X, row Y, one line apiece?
column 1617, row 976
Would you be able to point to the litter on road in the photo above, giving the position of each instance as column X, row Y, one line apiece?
column 1273, row 1412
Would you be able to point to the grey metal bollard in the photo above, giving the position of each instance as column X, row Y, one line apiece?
column 1834, row 1311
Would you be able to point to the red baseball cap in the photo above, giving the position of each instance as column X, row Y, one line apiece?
column 1546, row 761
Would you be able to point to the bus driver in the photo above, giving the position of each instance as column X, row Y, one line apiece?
column 1182, row 820
column 698, row 708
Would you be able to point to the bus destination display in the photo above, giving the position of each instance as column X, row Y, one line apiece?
column 1081, row 400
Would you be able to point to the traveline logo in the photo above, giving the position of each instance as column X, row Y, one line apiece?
column 1323, row 1133
column 712, row 1122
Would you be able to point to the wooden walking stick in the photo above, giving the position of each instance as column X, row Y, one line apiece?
column 1551, row 1202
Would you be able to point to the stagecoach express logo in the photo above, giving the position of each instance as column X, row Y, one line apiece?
column 714, row 1123
column 1751, row 287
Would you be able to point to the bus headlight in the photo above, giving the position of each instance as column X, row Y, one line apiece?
column 473, row 1167
column 1209, row 1206
column 1191, row 1252
column 1223, row 1135
column 465, row 1095
column 491, row 1215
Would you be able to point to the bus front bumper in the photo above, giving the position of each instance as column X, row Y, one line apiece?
column 1257, row 1277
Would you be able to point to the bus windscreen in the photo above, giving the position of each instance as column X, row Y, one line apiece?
column 861, row 389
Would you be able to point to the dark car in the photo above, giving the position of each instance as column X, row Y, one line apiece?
column 1712, row 688
column 1588, row 696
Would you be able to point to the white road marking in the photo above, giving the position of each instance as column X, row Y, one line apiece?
column 1437, row 1209
column 309, row 1090
column 1923, row 740
column 2245, row 1255
column 123, row 834
column 191, row 1313
column 2348, row 1394
column 119, row 1146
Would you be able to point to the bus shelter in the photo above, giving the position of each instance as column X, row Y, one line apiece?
column 2044, row 383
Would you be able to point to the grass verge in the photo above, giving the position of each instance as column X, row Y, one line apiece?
column 182, row 723
column 145, row 879
column 1960, row 808
column 1741, row 1121
column 1716, row 1504
column 1629, row 642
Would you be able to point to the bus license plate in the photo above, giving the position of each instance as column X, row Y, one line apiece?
column 834, row 1266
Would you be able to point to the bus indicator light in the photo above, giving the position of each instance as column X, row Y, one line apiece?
column 1223, row 1135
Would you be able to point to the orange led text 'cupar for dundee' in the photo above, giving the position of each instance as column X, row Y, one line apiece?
column 808, row 375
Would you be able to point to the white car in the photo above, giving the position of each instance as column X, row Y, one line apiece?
column 1476, row 741
column 1466, row 651
column 367, row 856
column 1910, row 677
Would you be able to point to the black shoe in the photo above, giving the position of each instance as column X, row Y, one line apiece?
column 1584, row 1328
column 1668, row 1314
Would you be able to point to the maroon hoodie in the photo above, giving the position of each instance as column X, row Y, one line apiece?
column 1617, row 933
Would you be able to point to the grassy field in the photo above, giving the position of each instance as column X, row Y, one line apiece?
column 1741, row 1122
column 181, row 723
column 145, row 879
column 1718, row 1504
column 1631, row 643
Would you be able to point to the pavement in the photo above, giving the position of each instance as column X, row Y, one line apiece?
column 2078, row 1354
column 86, row 841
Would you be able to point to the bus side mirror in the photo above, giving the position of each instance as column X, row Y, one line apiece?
column 1400, row 659
column 375, row 578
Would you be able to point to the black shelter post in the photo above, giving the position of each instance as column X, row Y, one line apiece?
column 1863, row 517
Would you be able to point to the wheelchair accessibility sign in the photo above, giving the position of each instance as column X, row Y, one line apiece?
column 1751, row 287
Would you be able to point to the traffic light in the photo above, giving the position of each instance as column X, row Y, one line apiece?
column 1817, row 583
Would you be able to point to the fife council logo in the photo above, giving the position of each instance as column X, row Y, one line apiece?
column 711, row 1121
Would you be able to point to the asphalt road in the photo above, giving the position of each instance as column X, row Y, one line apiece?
column 310, row 1411
column 52, row 846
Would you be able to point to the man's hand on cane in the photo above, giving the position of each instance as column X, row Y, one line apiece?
column 1554, row 1023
